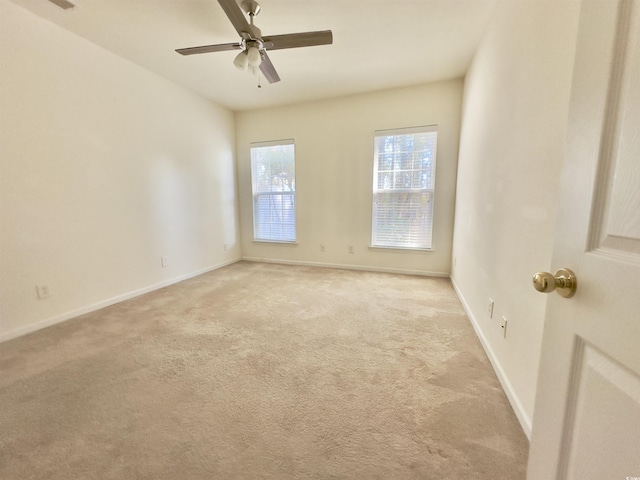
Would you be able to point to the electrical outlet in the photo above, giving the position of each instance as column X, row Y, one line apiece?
column 165, row 262
column 504, row 327
column 455, row 261
column 322, row 247
column 226, row 247
column 350, row 249
column 490, row 309
column 43, row 292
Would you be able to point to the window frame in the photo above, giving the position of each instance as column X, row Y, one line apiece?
column 272, row 194
column 376, row 192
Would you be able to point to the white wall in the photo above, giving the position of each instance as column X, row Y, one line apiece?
column 511, row 150
column 104, row 169
column 334, row 172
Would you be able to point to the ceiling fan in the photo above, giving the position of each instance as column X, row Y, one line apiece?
column 253, row 45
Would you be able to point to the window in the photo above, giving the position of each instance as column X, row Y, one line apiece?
column 404, row 171
column 274, row 191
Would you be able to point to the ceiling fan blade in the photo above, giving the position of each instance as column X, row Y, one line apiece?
column 294, row 40
column 236, row 16
column 268, row 70
column 222, row 47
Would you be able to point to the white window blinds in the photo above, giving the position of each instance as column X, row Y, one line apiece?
column 274, row 191
column 403, row 187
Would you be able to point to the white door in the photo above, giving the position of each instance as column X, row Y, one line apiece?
column 586, row 423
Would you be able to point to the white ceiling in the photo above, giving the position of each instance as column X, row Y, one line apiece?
column 378, row 44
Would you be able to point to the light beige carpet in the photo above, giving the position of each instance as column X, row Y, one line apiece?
column 259, row 371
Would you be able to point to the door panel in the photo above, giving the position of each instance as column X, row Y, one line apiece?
column 616, row 223
column 605, row 407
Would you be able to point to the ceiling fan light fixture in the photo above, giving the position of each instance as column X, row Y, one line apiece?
column 241, row 61
column 253, row 56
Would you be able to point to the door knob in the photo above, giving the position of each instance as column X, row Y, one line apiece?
column 564, row 282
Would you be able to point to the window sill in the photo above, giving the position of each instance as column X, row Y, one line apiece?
column 402, row 249
column 274, row 242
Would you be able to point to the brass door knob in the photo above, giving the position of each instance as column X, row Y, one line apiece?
column 564, row 282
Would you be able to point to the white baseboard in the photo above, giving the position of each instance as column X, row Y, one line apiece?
column 18, row 332
column 514, row 400
column 342, row 266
